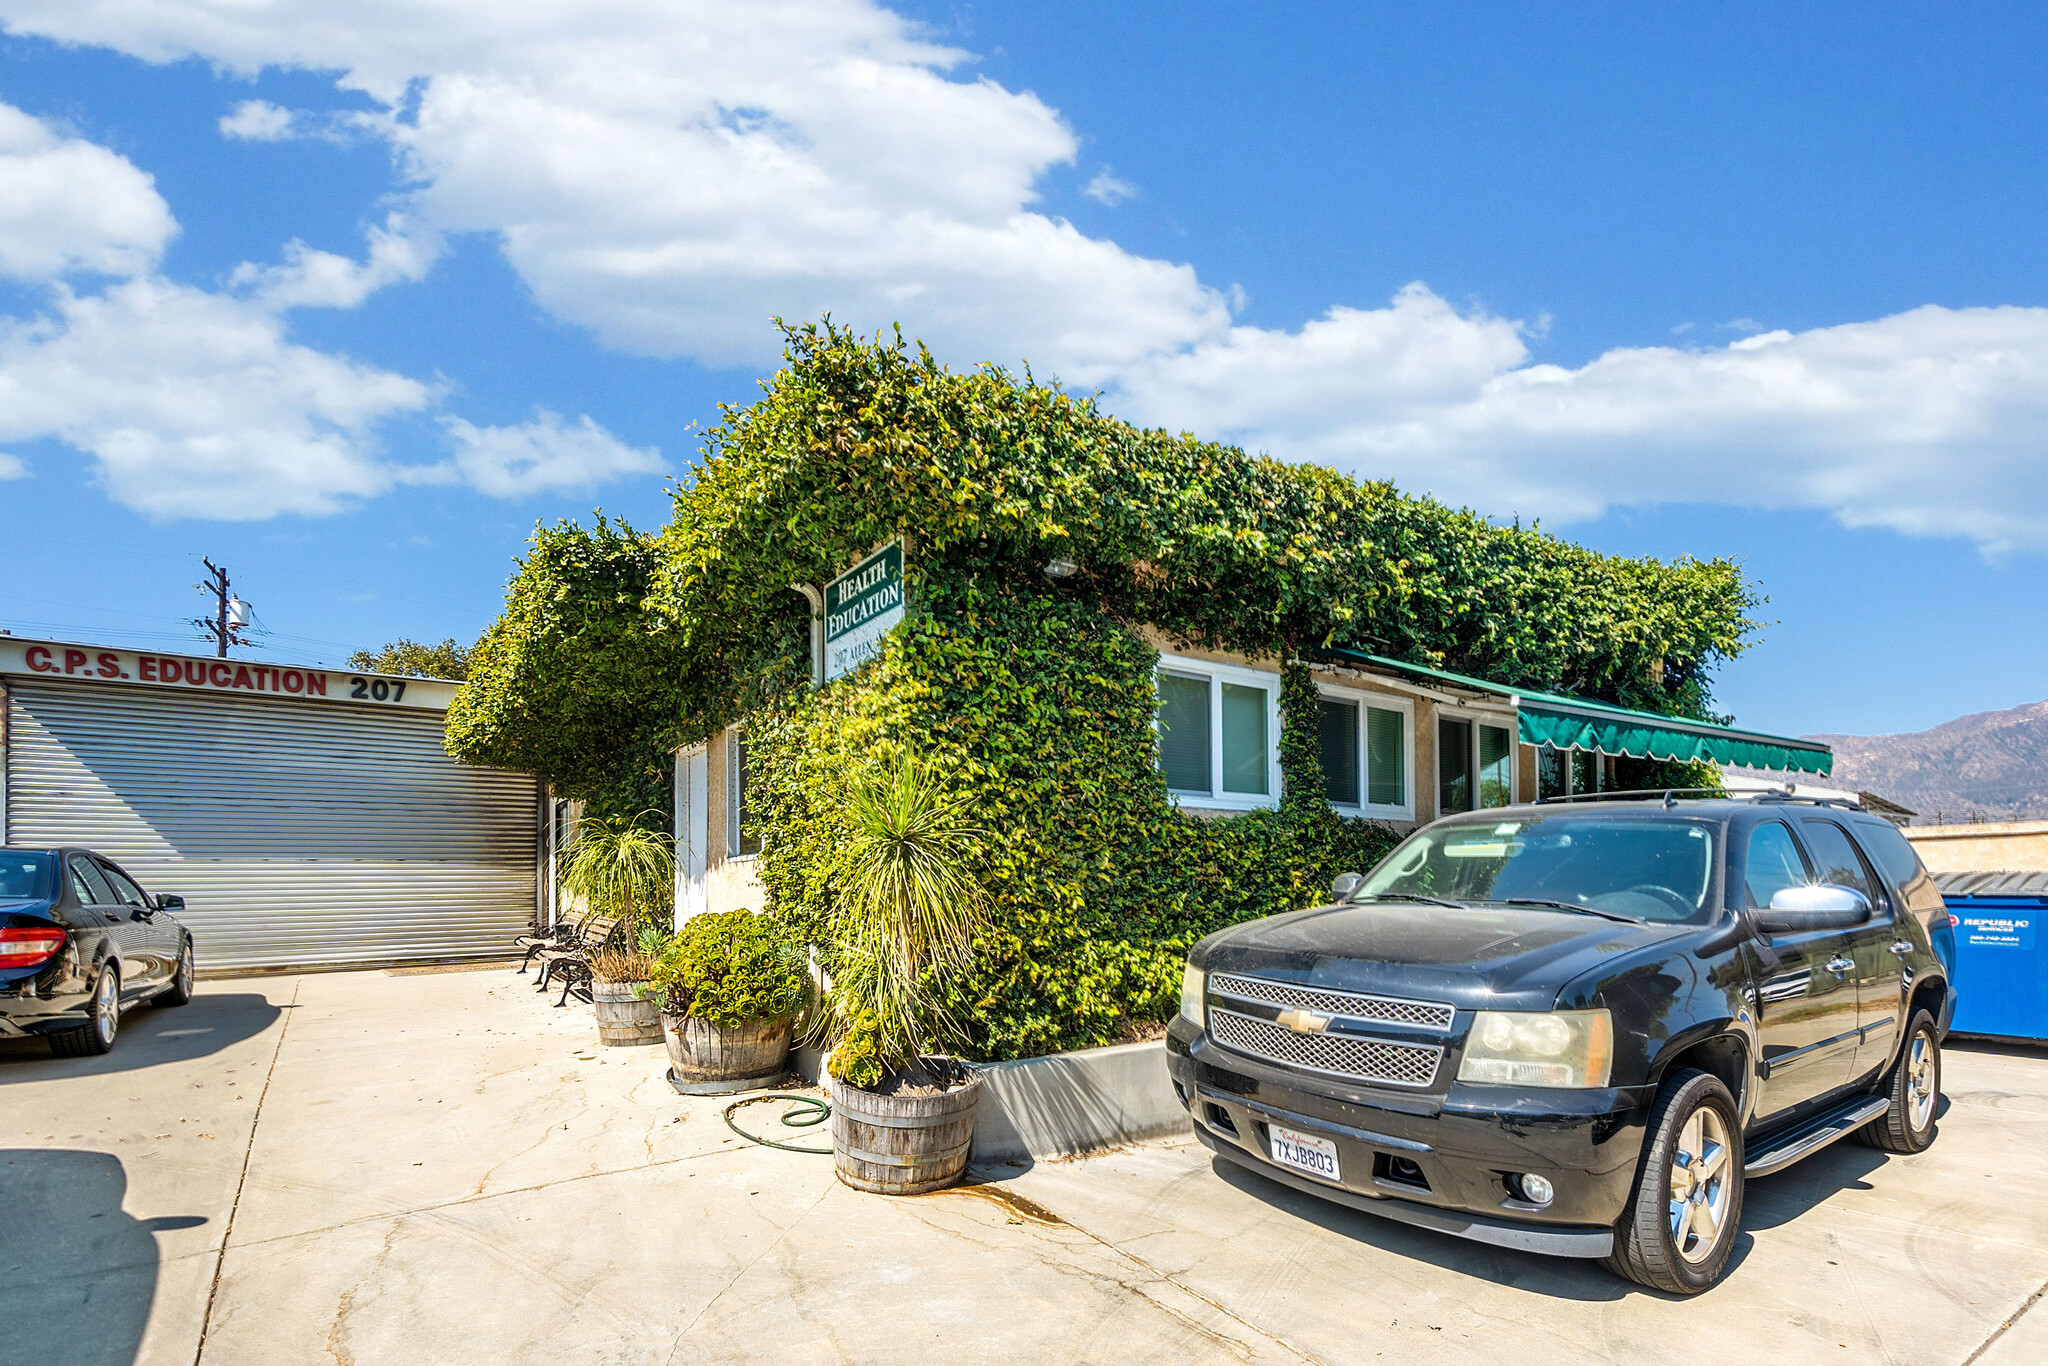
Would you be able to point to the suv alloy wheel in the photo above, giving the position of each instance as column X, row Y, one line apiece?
column 1680, row 1224
column 1914, row 1088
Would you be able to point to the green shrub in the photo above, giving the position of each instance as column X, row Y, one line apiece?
column 731, row 969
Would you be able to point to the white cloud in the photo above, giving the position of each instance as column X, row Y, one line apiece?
column 544, row 456
column 310, row 278
column 195, row 404
column 1932, row 422
column 69, row 205
column 258, row 121
column 1106, row 188
column 671, row 173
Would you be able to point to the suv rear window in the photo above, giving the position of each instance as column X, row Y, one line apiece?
column 1646, row 869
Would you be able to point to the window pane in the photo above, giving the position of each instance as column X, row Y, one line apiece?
column 1244, row 739
column 1496, row 767
column 1774, row 862
column 1453, row 766
column 1585, row 771
column 1551, row 777
column 1184, row 732
column 1337, row 730
column 1837, row 857
column 744, row 840
column 1386, row 744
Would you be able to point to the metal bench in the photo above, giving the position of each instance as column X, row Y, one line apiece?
column 571, row 962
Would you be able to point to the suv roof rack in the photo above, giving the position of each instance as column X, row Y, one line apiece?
column 1671, row 795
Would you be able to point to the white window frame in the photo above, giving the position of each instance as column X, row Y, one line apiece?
column 1497, row 719
column 732, row 799
column 1385, row 702
column 1216, row 799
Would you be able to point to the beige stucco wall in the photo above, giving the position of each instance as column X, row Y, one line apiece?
column 2011, row 846
column 729, row 883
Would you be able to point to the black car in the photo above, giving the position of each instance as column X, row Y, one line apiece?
column 1577, row 1027
column 80, row 942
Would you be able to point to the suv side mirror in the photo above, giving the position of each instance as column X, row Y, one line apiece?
column 1822, row 907
column 169, row 901
column 1344, row 884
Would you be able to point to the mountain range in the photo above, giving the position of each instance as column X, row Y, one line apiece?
column 1991, row 766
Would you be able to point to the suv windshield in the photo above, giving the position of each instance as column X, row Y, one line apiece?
column 1643, row 869
column 27, row 875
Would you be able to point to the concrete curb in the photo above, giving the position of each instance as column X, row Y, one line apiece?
column 1069, row 1104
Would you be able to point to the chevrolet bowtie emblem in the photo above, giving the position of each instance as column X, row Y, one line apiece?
column 1304, row 1021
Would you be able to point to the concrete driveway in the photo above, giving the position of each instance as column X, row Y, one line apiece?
column 366, row 1168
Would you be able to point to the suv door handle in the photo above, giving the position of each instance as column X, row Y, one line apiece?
column 1838, row 965
column 1901, row 947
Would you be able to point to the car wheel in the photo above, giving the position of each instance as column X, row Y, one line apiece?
column 179, row 992
column 1687, row 1201
column 1914, row 1088
column 97, row 1037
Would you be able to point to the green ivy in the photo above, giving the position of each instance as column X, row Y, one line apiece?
column 1032, row 695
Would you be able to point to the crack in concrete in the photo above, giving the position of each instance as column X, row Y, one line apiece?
column 734, row 1280
column 242, row 1179
column 2005, row 1327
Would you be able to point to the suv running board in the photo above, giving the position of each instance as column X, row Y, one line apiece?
column 1815, row 1134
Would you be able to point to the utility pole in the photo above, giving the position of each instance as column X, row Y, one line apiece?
column 224, row 627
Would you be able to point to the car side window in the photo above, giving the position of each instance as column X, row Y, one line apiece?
column 126, row 892
column 1774, row 862
column 80, row 888
column 1893, row 853
column 1840, row 864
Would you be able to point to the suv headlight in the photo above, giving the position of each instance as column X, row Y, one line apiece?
column 1540, row 1048
column 1194, row 984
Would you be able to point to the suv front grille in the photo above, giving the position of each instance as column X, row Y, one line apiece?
column 1340, row 1055
column 1420, row 1014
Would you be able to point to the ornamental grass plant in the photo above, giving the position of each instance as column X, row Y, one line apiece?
column 621, row 867
column 910, row 911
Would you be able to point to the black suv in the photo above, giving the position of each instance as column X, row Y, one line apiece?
column 1577, row 1027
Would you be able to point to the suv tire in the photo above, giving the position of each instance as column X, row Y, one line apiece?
column 1913, row 1085
column 91, row 1040
column 1691, row 1160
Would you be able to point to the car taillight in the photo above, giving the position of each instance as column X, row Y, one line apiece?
column 29, row 948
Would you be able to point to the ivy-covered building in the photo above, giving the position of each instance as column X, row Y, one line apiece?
column 1182, row 685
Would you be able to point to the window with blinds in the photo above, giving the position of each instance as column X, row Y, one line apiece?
column 1364, row 752
column 1218, row 729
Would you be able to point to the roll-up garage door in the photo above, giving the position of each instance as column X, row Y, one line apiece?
column 299, row 833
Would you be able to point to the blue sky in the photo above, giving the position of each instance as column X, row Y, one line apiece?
column 348, row 303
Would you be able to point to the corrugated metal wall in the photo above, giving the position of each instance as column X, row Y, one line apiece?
column 298, row 832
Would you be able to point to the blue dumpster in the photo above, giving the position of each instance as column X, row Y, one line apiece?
column 2001, row 969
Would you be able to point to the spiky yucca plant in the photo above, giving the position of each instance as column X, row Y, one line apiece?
column 911, row 909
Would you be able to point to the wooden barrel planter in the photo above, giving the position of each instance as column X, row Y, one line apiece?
column 705, row 1059
column 904, row 1144
column 623, row 1019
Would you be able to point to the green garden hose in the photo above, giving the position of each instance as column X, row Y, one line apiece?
column 803, row 1112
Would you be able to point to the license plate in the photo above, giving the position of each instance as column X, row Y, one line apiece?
column 1304, row 1152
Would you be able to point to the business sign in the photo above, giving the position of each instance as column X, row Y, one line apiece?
column 90, row 664
column 2001, row 931
column 861, row 606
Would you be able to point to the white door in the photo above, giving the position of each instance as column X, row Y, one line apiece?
column 693, row 830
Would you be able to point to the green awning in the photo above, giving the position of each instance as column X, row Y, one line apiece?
column 1577, row 723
